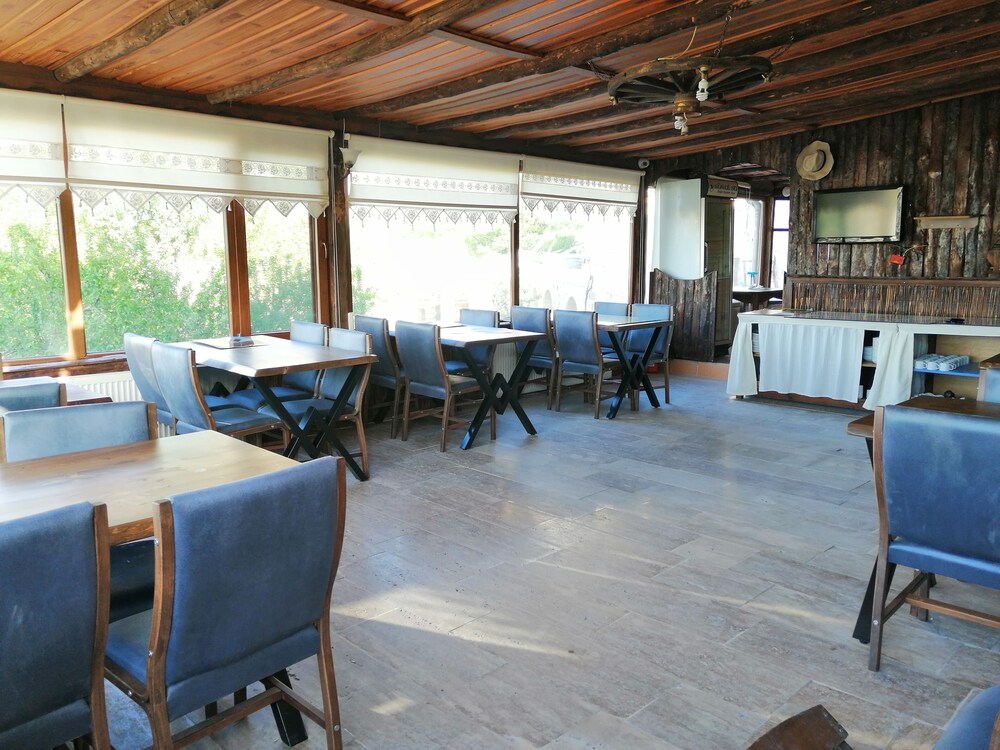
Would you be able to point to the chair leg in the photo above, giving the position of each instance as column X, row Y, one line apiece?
column 159, row 724
column 878, row 611
column 666, row 381
column 599, row 379
column 924, row 590
column 394, row 428
column 328, row 684
column 559, row 388
column 445, row 415
column 359, row 426
column 406, row 414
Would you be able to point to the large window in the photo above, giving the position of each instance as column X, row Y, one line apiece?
column 779, row 242
column 153, row 271
column 747, row 221
column 425, row 271
column 32, row 302
column 569, row 260
column 279, row 267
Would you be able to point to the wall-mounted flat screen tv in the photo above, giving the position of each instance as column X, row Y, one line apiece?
column 861, row 215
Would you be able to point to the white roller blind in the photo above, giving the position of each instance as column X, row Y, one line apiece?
column 550, row 183
column 31, row 154
column 143, row 151
column 417, row 179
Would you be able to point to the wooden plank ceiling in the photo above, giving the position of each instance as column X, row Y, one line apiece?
column 515, row 75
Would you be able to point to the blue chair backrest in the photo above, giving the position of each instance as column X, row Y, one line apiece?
column 419, row 346
column 481, row 355
column 989, row 384
column 175, row 371
column 638, row 339
column 942, row 480
column 609, row 308
column 48, row 611
column 333, row 379
column 252, row 573
column 14, row 397
column 533, row 319
column 50, row 432
column 378, row 329
column 139, row 353
column 305, row 332
column 576, row 336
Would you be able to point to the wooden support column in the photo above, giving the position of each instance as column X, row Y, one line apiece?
column 515, row 260
column 71, row 278
column 319, row 232
column 637, row 274
column 237, row 269
column 342, row 298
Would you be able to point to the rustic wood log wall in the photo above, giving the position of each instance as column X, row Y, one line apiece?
column 693, row 303
column 945, row 156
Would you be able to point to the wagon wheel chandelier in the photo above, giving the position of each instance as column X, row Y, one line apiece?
column 687, row 82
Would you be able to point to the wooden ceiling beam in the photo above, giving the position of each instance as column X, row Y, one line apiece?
column 780, row 36
column 140, row 34
column 647, row 30
column 388, row 17
column 419, row 25
column 547, row 101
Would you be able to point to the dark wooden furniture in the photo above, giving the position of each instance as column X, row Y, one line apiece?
column 812, row 729
column 269, row 357
column 694, row 304
column 634, row 375
column 756, row 297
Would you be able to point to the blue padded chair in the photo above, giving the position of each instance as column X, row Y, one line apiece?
column 609, row 308
column 976, row 725
column 330, row 384
column 177, row 375
column 989, row 384
column 580, row 353
column 538, row 319
column 139, row 354
column 53, row 626
column 936, row 477
column 419, row 346
column 481, row 355
column 294, row 385
column 245, row 572
column 386, row 373
column 38, row 433
column 14, row 397
column 636, row 341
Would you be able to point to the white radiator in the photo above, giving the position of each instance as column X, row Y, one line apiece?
column 118, row 386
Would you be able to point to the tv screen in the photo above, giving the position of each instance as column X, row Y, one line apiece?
column 866, row 215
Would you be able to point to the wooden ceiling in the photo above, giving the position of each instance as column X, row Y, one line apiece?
column 512, row 75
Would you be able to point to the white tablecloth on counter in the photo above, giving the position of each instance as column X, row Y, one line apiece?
column 811, row 360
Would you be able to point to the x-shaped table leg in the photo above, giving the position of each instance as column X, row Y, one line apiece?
column 633, row 372
column 508, row 389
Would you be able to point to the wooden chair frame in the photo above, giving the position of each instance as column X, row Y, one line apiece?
column 152, row 696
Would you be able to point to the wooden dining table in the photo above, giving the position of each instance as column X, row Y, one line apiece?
column 269, row 357
column 864, row 427
column 129, row 479
column 634, row 374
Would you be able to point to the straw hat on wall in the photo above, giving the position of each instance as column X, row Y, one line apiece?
column 815, row 161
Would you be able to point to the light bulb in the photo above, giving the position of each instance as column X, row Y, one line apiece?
column 702, row 94
column 681, row 123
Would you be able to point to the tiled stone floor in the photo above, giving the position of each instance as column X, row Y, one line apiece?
column 674, row 579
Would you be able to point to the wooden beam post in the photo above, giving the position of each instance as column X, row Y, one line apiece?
column 141, row 34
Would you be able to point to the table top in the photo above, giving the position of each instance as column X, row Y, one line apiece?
column 463, row 336
column 274, row 356
column 130, row 478
column 75, row 394
column 758, row 290
column 627, row 323
column 865, row 426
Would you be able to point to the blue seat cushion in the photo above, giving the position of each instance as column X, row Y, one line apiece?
column 54, row 728
column 251, row 398
column 128, row 643
column 454, row 366
column 234, row 420
column 960, row 567
column 971, row 728
column 459, row 384
column 581, row 367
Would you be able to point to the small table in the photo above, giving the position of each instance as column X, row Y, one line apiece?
column 756, row 297
column 462, row 337
column 634, row 375
column 865, row 427
column 75, row 394
column 270, row 356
